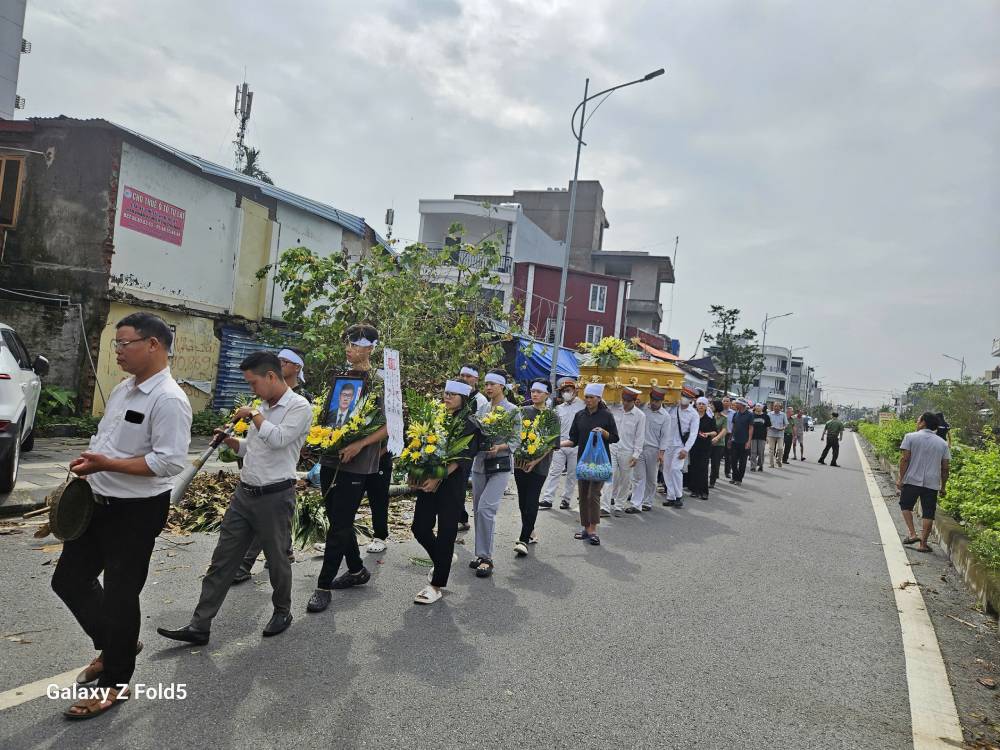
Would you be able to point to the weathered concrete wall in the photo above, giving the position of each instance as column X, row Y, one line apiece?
column 53, row 332
column 63, row 240
column 196, row 352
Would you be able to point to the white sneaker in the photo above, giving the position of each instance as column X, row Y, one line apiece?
column 520, row 548
column 377, row 545
column 320, row 546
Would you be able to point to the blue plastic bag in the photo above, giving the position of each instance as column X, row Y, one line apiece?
column 594, row 465
column 312, row 476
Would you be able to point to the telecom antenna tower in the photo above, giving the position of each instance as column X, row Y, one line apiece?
column 244, row 102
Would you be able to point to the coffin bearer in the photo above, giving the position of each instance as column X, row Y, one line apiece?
column 293, row 373
column 631, row 422
column 653, row 447
column 683, row 426
column 141, row 443
column 264, row 501
column 563, row 466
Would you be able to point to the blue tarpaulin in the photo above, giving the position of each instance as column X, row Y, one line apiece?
column 533, row 361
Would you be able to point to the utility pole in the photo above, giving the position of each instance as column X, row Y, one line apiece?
column 673, row 270
column 242, row 107
column 961, row 377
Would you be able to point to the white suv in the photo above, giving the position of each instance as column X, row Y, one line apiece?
column 20, row 387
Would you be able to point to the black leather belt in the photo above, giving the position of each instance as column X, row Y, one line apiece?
column 105, row 500
column 267, row 489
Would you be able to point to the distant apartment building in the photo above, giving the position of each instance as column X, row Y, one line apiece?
column 772, row 385
column 529, row 269
column 549, row 210
column 12, row 46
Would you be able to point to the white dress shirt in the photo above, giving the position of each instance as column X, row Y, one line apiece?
column 567, row 413
column 631, row 430
column 271, row 453
column 688, row 419
column 152, row 420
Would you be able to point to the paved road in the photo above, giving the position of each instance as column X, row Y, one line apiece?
column 763, row 618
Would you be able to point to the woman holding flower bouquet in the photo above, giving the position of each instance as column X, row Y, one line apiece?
column 540, row 428
column 492, row 466
column 441, row 486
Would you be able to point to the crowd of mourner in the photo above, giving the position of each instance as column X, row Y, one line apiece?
column 561, row 449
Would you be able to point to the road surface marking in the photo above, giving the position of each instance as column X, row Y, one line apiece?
column 17, row 696
column 932, row 706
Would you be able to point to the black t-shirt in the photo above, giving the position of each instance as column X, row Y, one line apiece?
column 760, row 424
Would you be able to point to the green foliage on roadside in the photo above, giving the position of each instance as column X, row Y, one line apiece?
column 205, row 421
column 969, row 407
column 885, row 438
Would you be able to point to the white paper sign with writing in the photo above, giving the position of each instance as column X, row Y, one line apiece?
column 393, row 401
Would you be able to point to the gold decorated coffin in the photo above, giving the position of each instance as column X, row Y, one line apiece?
column 643, row 375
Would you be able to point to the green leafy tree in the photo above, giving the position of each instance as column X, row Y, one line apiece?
column 796, row 403
column 966, row 406
column 821, row 412
column 429, row 304
column 735, row 352
column 251, row 165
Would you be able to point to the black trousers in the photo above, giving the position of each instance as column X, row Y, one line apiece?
column 342, row 502
column 378, row 497
column 529, row 487
column 442, row 508
column 719, row 452
column 831, row 443
column 740, row 454
column 698, row 471
column 728, row 455
column 119, row 543
column 788, row 448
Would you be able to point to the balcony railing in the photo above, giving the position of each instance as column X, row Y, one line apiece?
column 458, row 257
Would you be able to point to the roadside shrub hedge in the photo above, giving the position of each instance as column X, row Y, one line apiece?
column 885, row 438
column 973, row 490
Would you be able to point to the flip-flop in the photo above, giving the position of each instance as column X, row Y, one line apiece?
column 581, row 535
column 595, row 540
column 486, row 572
column 925, row 550
column 911, row 540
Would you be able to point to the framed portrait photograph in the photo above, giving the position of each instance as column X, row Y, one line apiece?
column 345, row 396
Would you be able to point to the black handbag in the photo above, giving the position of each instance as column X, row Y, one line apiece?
column 496, row 464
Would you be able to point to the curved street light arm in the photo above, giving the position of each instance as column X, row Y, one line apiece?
column 572, row 119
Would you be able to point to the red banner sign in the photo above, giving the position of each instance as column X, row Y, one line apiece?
column 151, row 216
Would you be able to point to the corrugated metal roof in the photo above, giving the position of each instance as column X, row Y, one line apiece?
column 350, row 222
column 230, row 383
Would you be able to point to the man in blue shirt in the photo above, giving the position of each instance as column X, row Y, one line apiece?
column 742, row 426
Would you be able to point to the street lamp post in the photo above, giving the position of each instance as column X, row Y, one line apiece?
column 763, row 340
column 582, row 109
column 961, row 377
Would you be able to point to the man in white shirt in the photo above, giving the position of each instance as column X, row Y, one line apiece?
column 264, row 501
column 563, row 459
column 924, row 458
column 776, row 434
column 683, row 426
column 653, row 449
column 631, row 422
column 140, row 445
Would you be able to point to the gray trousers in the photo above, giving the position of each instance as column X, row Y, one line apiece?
column 487, row 492
column 254, row 552
column 645, row 476
column 268, row 517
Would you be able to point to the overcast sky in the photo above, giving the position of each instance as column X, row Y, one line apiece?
column 835, row 160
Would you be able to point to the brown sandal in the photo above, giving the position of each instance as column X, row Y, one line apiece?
column 96, row 668
column 88, row 708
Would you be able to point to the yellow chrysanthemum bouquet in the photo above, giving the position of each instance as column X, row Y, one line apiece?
column 239, row 427
column 433, row 439
column 329, row 441
column 538, row 437
column 499, row 425
column 608, row 353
